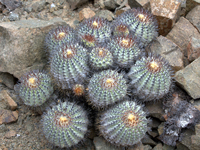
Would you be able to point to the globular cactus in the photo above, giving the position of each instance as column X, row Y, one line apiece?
column 93, row 31
column 68, row 65
column 65, row 125
column 105, row 88
column 151, row 77
column 125, row 50
column 100, row 58
column 35, row 88
column 120, row 28
column 124, row 124
column 58, row 35
column 142, row 23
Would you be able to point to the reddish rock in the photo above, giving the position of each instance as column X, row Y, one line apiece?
column 7, row 116
column 10, row 101
column 86, row 13
column 193, row 49
column 166, row 12
column 10, row 134
column 181, row 34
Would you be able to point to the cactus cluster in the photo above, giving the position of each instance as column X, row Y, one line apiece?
column 98, row 64
column 35, row 88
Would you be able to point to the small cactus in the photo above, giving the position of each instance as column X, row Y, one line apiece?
column 150, row 78
column 142, row 23
column 106, row 87
column 120, row 28
column 125, row 50
column 57, row 36
column 100, row 58
column 68, row 65
column 93, row 31
column 35, row 88
column 124, row 124
column 65, row 125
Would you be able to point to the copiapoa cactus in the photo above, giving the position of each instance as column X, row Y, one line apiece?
column 105, row 88
column 150, row 77
column 100, row 58
column 125, row 50
column 124, row 124
column 65, row 125
column 93, row 31
column 142, row 23
column 59, row 35
column 120, row 28
column 68, row 65
column 35, row 88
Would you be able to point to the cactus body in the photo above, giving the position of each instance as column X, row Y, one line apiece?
column 151, row 78
column 125, row 50
column 141, row 23
column 100, row 58
column 65, row 124
column 93, row 31
column 35, row 88
column 59, row 35
column 106, row 87
column 124, row 124
column 68, row 65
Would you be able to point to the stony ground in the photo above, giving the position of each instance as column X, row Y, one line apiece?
column 178, row 43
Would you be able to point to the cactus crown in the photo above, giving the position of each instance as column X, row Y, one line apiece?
column 78, row 89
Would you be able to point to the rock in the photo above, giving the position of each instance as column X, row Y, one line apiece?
column 3, row 128
column 147, row 147
column 101, row 144
column 181, row 34
column 147, row 140
column 76, row 3
column 181, row 146
column 106, row 14
column 195, row 144
column 153, row 133
column 189, row 78
column 193, row 49
column 7, row 79
column 139, row 3
column 7, row 116
column 194, row 18
column 154, row 123
column 12, row 104
column 13, row 16
column 170, row 51
column 110, row 4
column 168, row 147
column 11, row 4
column 158, row 147
column 166, row 12
column 52, row 7
column 155, row 110
column 38, row 6
column 161, row 128
column 10, row 134
column 21, row 45
column 183, row 3
column 185, row 137
column 86, row 13
column 138, row 146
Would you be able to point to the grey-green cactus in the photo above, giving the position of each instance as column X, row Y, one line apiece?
column 57, row 36
column 35, row 88
column 93, row 31
column 68, row 65
column 150, row 78
column 142, row 23
column 105, row 88
column 125, row 50
column 65, row 125
column 100, row 58
column 124, row 124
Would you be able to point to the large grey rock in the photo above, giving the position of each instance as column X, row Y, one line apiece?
column 21, row 45
column 76, row 3
column 170, row 51
column 189, row 78
column 194, row 17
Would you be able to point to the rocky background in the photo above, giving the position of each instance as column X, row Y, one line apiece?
column 23, row 26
